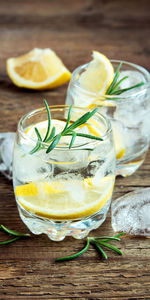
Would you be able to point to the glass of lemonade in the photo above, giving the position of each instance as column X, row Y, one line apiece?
column 128, row 112
column 66, row 191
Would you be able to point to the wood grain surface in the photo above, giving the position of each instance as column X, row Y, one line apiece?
column 119, row 29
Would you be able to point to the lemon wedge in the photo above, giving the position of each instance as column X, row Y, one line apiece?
column 56, row 200
column 99, row 74
column 38, row 69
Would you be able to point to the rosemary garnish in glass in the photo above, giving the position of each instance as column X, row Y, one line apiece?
column 98, row 242
column 114, row 87
column 17, row 235
column 69, row 130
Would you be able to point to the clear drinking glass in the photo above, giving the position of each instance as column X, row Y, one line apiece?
column 129, row 113
column 67, row 191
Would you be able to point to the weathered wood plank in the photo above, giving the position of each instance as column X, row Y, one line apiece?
column 120, row 29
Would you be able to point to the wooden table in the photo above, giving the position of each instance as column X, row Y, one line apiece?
column 120, row 29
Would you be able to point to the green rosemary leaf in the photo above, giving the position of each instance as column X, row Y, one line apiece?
column 89, row 136
column 114, row 80
column 49, row 121
column 100, row 250
column 106, row 238
column 36, row 148
column 73, row 139
column 51, row 135
column 129, row 88
column 68, row 119
column 10, row 241
column 54, row 143
column 38, row 134
column 13, row 232
column 38, row 144
column 74, row 255
column 116, row 236
column 82, row 120
column 85, row 135
column 111, row 247
column 88, row 149
column 120, row 234
column 78, row 122
column 117, row 85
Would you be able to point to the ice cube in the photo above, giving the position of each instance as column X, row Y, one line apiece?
column 69, row 159
column 76, row 191
column 131, row 213
column 29, row 167
column 134, row 77
column 146, row 125
column 6, row 150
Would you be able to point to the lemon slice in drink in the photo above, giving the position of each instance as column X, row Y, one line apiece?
column 99, row 74
column 118, row 142
column 42, row 127
column 38, row 69
column 56, row 200
column 91, row 127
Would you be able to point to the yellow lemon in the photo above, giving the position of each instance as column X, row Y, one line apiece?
column 118, row 141
column 56, row 200
column 42, row 128
column 38, row 69
column 99, row 74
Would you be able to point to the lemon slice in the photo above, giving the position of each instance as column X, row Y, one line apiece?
column 38, row 69
column 42, row 127
column 32, row 189
column 99, row 74
column 56, row 200
column 118, row 141
column 92, row 127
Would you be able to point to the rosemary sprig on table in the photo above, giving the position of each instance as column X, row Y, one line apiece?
column 98, row 242
column 69, row 130
column 114, row 87
column 17, row 235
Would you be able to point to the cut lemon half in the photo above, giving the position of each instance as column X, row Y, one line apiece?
column 38, row 69
column 98, row 75
column 57, row 200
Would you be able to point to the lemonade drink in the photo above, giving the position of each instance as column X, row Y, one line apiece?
column 66, row 191
column 129, row 112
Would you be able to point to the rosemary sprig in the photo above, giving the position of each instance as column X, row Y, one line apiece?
column 114, row 87
column 17, row 235
column 98, row 242
column 68, row 130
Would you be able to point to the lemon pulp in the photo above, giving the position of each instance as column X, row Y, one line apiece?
column 99, row 74
column 38, row 69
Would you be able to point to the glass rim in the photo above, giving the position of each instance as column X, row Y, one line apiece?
column 22, row 132
column 111, row 97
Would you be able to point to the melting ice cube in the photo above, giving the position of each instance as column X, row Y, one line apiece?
column 134, row 78
column 6, row 151
column 131, row 213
